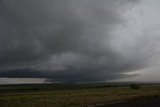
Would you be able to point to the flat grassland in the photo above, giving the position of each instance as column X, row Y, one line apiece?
column 72, row 95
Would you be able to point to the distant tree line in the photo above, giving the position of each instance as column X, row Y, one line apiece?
column 134, row 86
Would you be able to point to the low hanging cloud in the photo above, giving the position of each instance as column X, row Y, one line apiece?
column 71, row 41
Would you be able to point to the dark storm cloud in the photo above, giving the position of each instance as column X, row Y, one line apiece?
column 63, row 40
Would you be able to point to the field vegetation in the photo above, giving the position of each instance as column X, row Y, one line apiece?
column 72, row 95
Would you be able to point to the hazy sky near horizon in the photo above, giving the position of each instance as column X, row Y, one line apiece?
column 79, row 40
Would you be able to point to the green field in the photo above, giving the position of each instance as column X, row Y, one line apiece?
column 71, row 95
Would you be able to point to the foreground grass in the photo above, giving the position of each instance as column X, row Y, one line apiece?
column 79, row 97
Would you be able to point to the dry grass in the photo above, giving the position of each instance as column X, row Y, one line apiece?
column 88, row 97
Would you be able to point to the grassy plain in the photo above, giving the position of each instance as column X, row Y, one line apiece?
column 72, row 95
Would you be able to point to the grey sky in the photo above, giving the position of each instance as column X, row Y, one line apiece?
column 79, row 40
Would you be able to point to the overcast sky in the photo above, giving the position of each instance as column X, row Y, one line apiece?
column 79, row 40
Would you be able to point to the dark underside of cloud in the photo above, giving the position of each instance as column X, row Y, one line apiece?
column 65, row 40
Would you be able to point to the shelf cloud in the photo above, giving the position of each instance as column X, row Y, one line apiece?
column 77, row 40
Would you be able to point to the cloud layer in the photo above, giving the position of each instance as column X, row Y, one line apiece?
column 73, row 40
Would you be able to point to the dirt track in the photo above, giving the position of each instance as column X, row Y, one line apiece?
column 146, row 102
